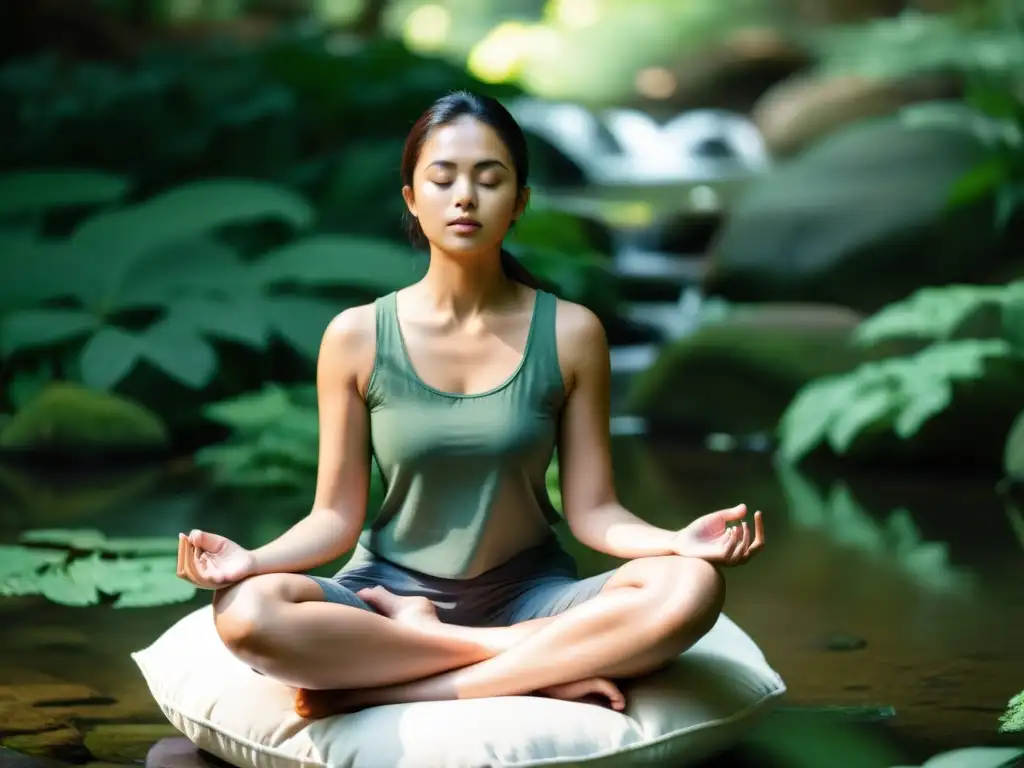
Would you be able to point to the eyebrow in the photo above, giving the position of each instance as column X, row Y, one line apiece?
column 482, row 164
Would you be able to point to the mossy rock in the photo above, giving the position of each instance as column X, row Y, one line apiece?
column 68, row 419
column 861, row 219
column 739, row 374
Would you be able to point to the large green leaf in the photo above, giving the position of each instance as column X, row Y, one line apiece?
column 1012, row 720
column 301, row 321
column 235, row 319
column 178, row 351
column 931, row 314
column 197, row 266
column 34, row 328
column 896, row 396
column 33, row 270
column 108, row 357
column 808, row 418
column 31, row 191
column 120, row 240
column 358, row 262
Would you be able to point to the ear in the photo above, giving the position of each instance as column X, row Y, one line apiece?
column 410, row 201
column 521, row 203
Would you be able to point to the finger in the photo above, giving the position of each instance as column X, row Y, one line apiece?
column 744, row 539
column 209, row 542
column 733, row 513
column 732, row 545
column 195, row 573
column 182, row 544
column 611, row 691
column 758, row 542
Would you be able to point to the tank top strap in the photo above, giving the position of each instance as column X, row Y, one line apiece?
column 544, row 344
column 388, row 358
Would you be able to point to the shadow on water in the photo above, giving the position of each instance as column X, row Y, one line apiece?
column 875, row 590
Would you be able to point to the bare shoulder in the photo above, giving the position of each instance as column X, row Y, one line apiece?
column 349, row 344
column 582, row 342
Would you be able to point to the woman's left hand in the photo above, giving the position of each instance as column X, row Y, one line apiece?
column 711, row 537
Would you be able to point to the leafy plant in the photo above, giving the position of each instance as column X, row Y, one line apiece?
column 1013, row 719
column 83, row 567
column 273, row 444
column 897, row 397
column 973, row 337
column 153, row 282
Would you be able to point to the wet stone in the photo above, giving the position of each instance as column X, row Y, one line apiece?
column 125, row 743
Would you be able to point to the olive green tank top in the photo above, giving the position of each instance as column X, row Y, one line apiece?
column 464, row 475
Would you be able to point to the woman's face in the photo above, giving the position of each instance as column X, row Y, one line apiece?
column 464, row 190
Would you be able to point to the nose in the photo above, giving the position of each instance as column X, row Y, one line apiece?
column 465, row 194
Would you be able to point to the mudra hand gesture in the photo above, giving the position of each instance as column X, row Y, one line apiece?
column 212, row 562
column 711, row 538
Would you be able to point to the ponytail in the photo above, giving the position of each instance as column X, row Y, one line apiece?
column 514, row 270
column 510, row 265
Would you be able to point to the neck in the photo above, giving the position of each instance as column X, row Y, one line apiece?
column 466, row 285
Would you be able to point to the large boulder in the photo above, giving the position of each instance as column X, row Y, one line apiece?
column 860, row 220
column 800, row 111
column 738, row 374
column 68, row 419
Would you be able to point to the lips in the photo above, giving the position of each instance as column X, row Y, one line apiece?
column 464, row 223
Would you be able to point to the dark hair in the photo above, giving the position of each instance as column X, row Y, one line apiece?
column 490, row 112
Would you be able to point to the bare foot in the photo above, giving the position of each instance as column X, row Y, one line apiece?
column 406, row 610
column 583, row 689
column 315, row 705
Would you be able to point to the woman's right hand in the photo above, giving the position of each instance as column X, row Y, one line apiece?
column 212, row 562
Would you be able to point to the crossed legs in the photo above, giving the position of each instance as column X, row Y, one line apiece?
column 649, row 611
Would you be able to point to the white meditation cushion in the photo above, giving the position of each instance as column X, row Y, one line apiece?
column 695, row 707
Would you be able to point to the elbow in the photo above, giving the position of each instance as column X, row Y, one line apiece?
column 342, row 529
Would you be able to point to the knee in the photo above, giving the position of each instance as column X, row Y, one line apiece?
column 244, row 611
column 686, row 598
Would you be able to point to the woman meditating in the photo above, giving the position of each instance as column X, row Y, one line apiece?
column 462, row 386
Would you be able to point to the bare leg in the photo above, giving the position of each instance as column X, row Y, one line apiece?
column 649, row 612
column 280, row 625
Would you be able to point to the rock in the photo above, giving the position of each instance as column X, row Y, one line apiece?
column 67, row 418
column 840, row 641
column 64, row 743
column 126, row 743
column 860, row 220
column 800, row 111
column 730, row 75
column 739, row 374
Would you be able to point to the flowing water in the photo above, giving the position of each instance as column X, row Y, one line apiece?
column 874, row 591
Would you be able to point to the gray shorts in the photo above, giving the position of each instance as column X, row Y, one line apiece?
column 537, row 583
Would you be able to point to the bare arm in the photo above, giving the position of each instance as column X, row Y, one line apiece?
column 343, row 472
column 591, row 506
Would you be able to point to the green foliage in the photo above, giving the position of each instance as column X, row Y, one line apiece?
column 975, row 335
column 82, row 567
column 914, row 43
column 895, row 397
column 287, row 109
column 950, row 312
column 156, row 282
column 1013, row 719
column 273, row 444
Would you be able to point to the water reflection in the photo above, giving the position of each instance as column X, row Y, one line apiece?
column 874, row 590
